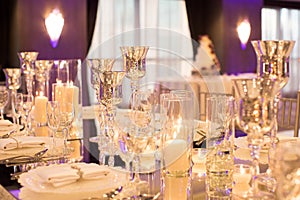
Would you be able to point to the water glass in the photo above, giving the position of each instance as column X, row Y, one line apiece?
column 177, row 144
column 28, row 100
column 53, row 121
column 220, row 159
column 18, row 110
column 219, row 118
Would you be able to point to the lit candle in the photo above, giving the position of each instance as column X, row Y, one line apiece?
column 40, row 115
column 177, row 159
column 58, row 91
column 72, row 96
column 68, row 93
column 241, row 178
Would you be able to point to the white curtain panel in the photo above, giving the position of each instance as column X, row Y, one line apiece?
column 160, row 24
column 284, row 24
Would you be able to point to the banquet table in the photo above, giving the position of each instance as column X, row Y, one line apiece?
column 242, row 155
column 198, row 181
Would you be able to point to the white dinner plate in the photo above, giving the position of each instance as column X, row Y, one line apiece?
column 242, row 153
column 30, row 180
column 241, row 142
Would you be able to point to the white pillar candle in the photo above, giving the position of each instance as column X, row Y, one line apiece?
column 40, row 115
column 177, row 161
column 72, row 96
column 176, row 155
column 58, row 92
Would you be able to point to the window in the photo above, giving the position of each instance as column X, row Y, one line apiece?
column 160, row 24
column 283, row 24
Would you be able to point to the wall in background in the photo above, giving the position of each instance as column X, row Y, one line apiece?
column 30, row 32
column 218, row 19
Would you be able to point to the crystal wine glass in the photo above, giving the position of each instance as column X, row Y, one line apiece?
column 134, row 59
column 139, row 138
column 67, row 114
column 13, row 82
column 18, row 109
column 255, row 114
column 27, row 106
column 3, row 100
column 53, row 120
column 111, row 95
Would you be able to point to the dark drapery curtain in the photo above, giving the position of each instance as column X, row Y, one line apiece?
column 7, row 9
column 90, row 149
column 282, row 3
column 194, row 14
column 200, row 15
column 92, row 6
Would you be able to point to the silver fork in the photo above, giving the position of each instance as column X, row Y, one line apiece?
column 21, row 159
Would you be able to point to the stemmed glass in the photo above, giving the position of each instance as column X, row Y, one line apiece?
column 18, row 109
column 139, row 138
column 110, row 96
column 98, row 66
column 3, row 100
column 255, row 114
column 53, row 120
column 67, row 114
column 13, row 82
column 134, row 59
column 27, row 60
column 27, row 106
column 273, row 62
column 42, row 75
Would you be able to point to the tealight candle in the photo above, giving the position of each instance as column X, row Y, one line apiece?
column 241, row 178
column 242, row 173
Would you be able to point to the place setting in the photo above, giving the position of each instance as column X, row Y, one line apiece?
column 71, row 181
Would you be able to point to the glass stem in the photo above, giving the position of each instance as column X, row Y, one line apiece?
column 26, row 124
column 111, row 158
column 1, row 114
column 65, row 132
column 14, row 114
column 134, row 85
column 137, row 167
column 255, row 152
column 273, row 133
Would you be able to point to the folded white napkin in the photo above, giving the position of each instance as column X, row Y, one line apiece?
column 57, row 175
column 6, row 125
column 5, row 122
column 21, row 142
column 91, row 171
